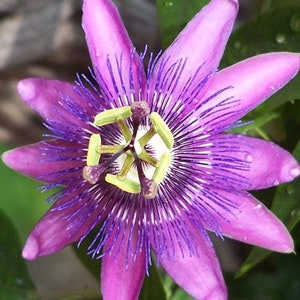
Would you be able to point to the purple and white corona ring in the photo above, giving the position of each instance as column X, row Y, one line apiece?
column 144, row 155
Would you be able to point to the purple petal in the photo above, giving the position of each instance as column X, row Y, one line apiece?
column 71, row 218
column 46, row 96
column 248, row 83
column 30, row 161
column 247, row 163
column 122, row 275
column 196, row 52
column 249, row 221
column 48, row 236
column 198, row 274
column 51, row 234
column 269, row 164
column 116, row 64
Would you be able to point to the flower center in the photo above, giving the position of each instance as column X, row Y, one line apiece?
column 132, row 156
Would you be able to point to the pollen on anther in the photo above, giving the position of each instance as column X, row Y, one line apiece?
column 91, row 174
column 140, row 110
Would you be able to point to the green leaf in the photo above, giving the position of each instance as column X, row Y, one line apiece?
column 276, row 284
column 173, row 15
column 286, row 206
column 267, row 5
column 280, row 3
column 181, row 295
column 257, row 124
column 15, row 281
column 278, row 31
column 173, row 291
column 152, row 287
column 93, row 265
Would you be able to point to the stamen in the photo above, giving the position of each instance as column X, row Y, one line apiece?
column 134, row 151
column 162, row 129
column 162, row 168
column 93, row 155
column 112, row 115
column 126, row 185
column 126, row 167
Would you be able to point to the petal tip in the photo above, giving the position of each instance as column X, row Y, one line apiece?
column 234, row 2
column 31, row 248
column 5, row 157
column 288, row 246
column 283, row 241
column 289, row 172
column 295, row 172
column 26, row 89
column 9, row 158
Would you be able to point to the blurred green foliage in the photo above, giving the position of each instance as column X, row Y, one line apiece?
column 173, row 15
column 15, row 281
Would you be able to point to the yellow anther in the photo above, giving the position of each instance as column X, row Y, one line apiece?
column 123, row 184
column 162, row 129
column 162, row 168
column 111, row 115
column 93, row 155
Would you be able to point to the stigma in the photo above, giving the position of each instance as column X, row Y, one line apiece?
column 140, row 170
